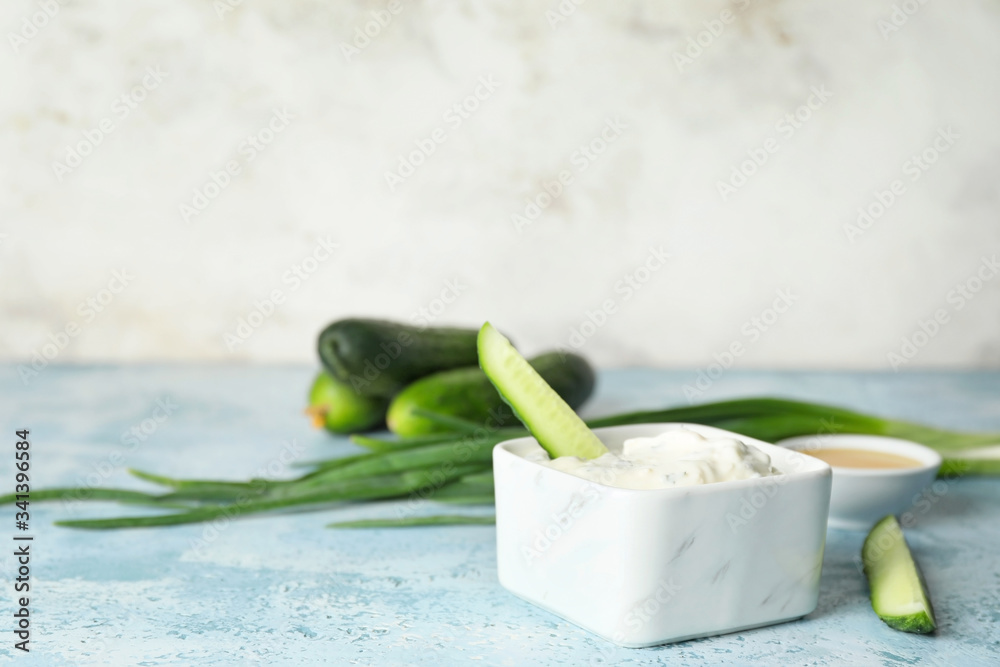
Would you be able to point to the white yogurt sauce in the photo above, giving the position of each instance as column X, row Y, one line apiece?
column 674, row 458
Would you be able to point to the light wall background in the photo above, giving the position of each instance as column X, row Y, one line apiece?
column 682, row 129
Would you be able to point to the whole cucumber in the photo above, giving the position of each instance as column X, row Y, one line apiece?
column 336, row 407
column 379, row 358
column 468, row 394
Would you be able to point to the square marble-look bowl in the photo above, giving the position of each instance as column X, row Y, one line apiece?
column 642, row 567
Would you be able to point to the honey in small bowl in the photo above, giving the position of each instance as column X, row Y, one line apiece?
column 842, row 457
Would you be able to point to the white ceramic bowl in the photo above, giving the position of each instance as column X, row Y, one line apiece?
column 642, row 567
column 862, row 496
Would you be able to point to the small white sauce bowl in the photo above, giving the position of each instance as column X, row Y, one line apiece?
column 642, row 567
column 862, row 496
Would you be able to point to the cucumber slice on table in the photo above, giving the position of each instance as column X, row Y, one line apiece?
column 899, row 595
column 553, row 423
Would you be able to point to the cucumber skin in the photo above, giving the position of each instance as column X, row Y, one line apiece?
column 575, row 437
column 468, row 394
column 343, row 410
column 920, row 623
column 379, row 358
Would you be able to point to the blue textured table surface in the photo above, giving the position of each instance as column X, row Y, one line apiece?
column 286, row 590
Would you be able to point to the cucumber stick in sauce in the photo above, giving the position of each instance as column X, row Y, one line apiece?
column 899, row 595
column 468, row 394
column 554, row 424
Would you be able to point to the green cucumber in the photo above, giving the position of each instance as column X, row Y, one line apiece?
column 378, row 358
column 468, row 394
column 899, row 593
column 336, row 407
column 553, row 423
